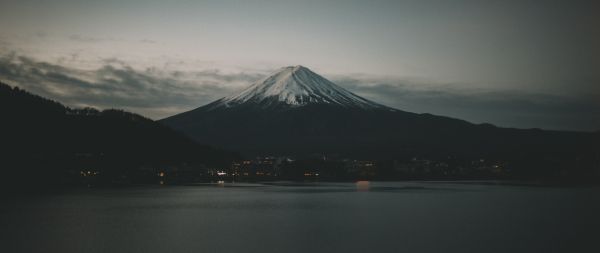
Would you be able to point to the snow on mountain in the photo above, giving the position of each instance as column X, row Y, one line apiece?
column 296, row 86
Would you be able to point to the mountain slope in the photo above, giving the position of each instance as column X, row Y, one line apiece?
column 297, row 112
column 42, row 139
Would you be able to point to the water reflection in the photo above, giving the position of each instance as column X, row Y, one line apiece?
column 363, row 186
column 391, row 217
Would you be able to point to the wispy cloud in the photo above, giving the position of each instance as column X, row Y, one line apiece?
column 148, row 41
column 89, row 39
column 151, row 92
column 510, row 108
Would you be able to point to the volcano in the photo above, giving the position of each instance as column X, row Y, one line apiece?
column 295, row 86
column 297, row 112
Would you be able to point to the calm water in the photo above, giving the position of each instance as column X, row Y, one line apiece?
column 325, row 217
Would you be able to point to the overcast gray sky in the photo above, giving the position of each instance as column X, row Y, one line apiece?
column 511, row 63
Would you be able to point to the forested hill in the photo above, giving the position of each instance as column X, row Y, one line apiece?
column 43, row 140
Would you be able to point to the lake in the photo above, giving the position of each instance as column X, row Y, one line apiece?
column 306, row 217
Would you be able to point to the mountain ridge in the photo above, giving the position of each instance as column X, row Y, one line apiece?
column 44, row 141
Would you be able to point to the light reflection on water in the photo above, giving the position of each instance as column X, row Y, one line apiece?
column 362, row 186
column 305, row 217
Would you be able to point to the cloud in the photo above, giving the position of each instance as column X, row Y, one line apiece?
column 151, row 92
column 148, row 41
column 509, row 108
column 88, row 39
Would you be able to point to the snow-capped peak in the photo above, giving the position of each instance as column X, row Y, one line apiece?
column 297, row 86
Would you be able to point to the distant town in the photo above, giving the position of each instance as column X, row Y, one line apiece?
column 270, row 168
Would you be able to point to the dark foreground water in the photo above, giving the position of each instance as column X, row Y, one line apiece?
column 324, row 217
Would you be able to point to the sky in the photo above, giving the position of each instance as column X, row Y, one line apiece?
column 526, row 64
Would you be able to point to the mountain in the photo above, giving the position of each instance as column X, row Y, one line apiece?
column 292, row 111
column 43, row 141
column 295, row 86
column 297, row 112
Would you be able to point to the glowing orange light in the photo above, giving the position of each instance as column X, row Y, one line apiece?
column 363, row 186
